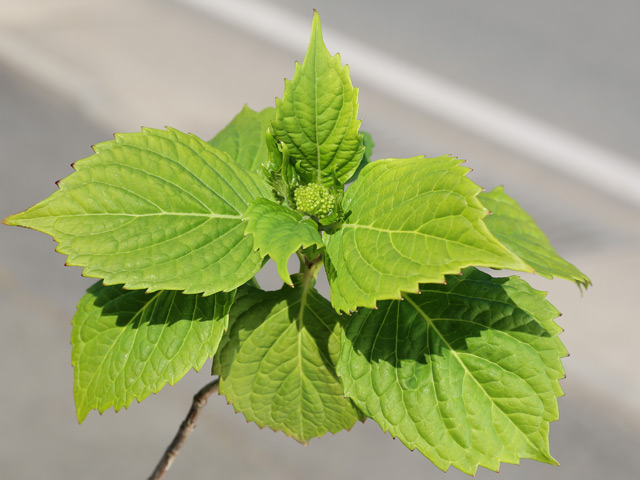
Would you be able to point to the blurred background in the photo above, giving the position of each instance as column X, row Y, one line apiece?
column 542, row 97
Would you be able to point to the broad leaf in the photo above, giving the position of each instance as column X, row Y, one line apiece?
column 467, row 373
column 317, row 116
column 518, row 231
column 156, row 210
column 243, row 138
column 409, row 221
column 279, row 232
column 128, row 344
column 276, row 363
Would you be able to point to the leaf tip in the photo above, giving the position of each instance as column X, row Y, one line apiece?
column 81, row 414
column 8, row 221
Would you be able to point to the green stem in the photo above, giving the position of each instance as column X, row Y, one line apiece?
column 329, row 228
column 309, row 268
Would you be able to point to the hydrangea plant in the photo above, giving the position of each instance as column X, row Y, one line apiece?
column 456, row 363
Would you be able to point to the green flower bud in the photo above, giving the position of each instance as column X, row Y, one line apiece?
column 314, row 199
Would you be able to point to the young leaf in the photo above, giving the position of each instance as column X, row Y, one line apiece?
column 317, row 116
column 368, row 143
column 409, row 221
column 279, row 172
column 279, row 232
column 519, row 233
column 467, row 373
column 156, row 210
column 243, row 138
column 128, row 344
column 276, row 363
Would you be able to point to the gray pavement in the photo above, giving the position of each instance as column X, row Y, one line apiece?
column 73, row 72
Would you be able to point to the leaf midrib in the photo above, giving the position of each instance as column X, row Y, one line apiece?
column 462, row 364
column 136, row 215
column 455, row 261
column 137, row 315
column 315, row 110
column 308, row 278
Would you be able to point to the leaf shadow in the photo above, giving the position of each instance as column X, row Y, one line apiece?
column 457, row 317
column 280, row 309
column 136, row 308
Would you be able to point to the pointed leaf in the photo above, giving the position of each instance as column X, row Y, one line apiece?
column 243, row 138
column 156, row 210
column 467, row 373
column 317, row 116
column 128, row 344
column 279, row 232
column 276, row 363
column 409, row 221
column 519, row 233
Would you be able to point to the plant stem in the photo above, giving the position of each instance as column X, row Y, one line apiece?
column 186, row 427
column 308, row 266
column 254, row 282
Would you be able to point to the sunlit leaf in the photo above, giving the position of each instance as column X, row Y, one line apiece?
column 467, row 373
column 154, row 210
column 276, row 364
column 409, row 221
column 317, row 116
column 128, row 344
column 278, row 232
column 518, row 231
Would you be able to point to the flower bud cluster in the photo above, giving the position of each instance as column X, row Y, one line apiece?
column 314, row 199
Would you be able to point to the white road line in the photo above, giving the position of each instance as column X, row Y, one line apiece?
column 600, row 168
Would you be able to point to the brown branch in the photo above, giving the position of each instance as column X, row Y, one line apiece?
column 186, row 427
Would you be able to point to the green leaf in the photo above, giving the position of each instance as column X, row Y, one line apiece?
column 128, row 344
column 317, row 116
column 279, row 232
column 366, row 158
column 409, row 221
column 520, row 234
column 243, row 138
column 467, row 373
column 156, row 210
column 279, row 172
column 276, row 362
